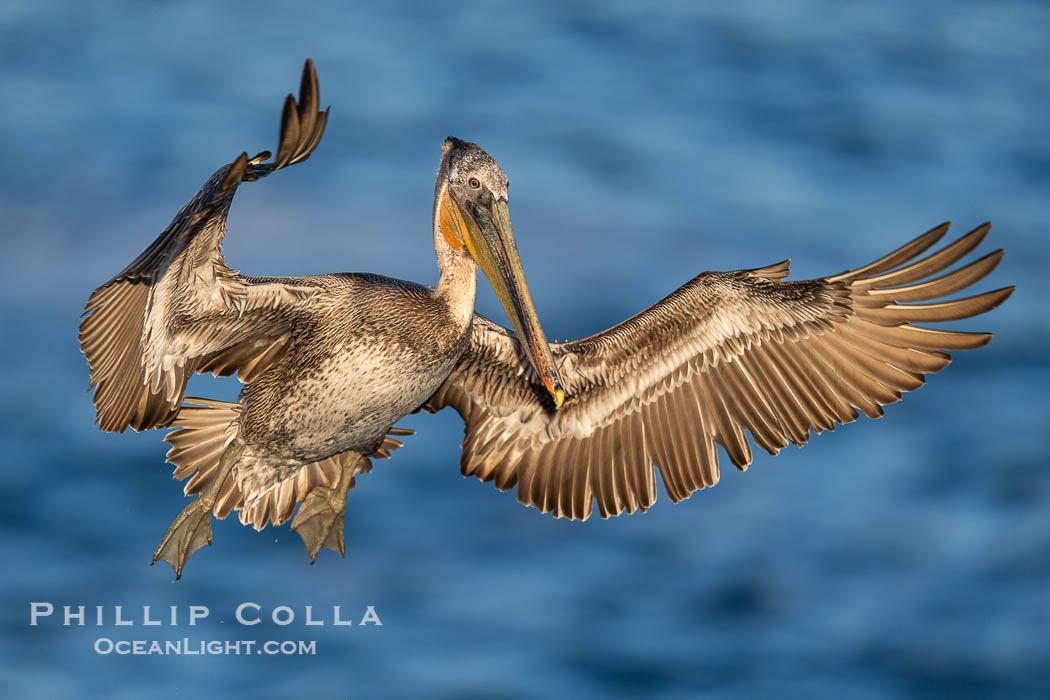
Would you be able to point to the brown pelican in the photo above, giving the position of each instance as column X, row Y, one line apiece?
column 331, row 362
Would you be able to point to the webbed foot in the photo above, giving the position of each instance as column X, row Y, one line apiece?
column 191, row 528
column 190, row 531
column 320, row 518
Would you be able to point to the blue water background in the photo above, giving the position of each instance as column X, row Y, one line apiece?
column 645, row 142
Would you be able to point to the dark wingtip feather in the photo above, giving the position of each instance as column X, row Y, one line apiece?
column 322, row 121
column 289, row 139
column 302, row 125
column 1000, row 295
column 308, row 97
column 235, row 174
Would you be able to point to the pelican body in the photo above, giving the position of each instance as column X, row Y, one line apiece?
column 331, row 362
column 341, row 384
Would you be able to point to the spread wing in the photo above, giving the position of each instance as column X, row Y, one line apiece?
column 725, row 353
column 178, row 309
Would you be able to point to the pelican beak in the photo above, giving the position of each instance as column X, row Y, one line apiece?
column 487, row 233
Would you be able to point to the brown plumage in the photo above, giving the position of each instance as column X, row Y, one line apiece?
column 725, row 353
column 330, row 362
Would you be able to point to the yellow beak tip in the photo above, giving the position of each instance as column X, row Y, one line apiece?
column 559, row 397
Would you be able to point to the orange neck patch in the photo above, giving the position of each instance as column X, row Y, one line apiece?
column 447, row 220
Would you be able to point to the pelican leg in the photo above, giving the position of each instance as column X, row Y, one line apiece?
column 191, row 528
column 320, row 518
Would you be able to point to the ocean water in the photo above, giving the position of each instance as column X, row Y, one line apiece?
column 646, row 142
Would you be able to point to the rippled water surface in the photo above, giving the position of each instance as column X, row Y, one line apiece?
column 646, row 142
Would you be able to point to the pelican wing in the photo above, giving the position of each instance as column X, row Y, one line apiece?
column 178, row 309
column 725, row 353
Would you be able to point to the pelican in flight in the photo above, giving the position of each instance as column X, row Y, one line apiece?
column 330, row 362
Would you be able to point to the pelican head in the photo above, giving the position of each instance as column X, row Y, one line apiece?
column 473, row 211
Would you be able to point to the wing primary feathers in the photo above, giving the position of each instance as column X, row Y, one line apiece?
column 929, row 265
column 944, row 285
column 904, row 253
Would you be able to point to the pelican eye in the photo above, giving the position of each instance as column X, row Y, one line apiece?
column 474, row 183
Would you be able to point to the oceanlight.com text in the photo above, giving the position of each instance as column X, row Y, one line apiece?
column 187, row 647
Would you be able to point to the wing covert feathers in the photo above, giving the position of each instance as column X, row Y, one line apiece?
column 724, row 355
column 178, row 309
